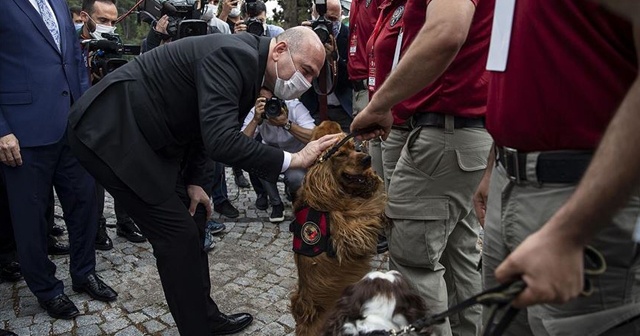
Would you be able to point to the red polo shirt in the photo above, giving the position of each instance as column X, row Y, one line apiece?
column 462, row 88
column 569, row 65
column 382, row 44
column 362, row 18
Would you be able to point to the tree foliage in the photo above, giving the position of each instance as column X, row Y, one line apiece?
column 291, row 12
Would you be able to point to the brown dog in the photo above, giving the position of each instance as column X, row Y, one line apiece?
column 339, row 213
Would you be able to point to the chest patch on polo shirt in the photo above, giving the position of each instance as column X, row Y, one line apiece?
column 311, row 233
column 397, row 15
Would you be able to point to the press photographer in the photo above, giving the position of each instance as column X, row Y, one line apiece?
column 255, row 20
column 338, row 106
column 286, row 125
column 171, row 20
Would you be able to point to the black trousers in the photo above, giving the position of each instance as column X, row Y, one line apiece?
column 177, row 240
column 7, row 241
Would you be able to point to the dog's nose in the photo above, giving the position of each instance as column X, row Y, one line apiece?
column 366, row 161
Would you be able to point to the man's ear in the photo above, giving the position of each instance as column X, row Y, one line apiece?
column 279, row 49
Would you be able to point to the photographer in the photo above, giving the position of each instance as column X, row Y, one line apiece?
column 255, row 22
column 286, row 125
column 339, row 105
column 99, row 16
column 210, row 15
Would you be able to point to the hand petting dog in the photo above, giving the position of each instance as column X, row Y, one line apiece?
column 308, row 155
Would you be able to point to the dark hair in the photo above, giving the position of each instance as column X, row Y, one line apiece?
column 87, row 5
column 75, row 10
column 259, row 8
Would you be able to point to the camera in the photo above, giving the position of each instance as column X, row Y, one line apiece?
column 274, row 107
column 184, row 18
column 107, row 54
column 322, row 26
column 254, row 26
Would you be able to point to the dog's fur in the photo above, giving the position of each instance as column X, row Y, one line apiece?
column 348, row 189
column 380, row 301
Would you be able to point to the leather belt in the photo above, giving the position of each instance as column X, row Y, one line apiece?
column 359, row 85
column 550, row 167
column 431, row 119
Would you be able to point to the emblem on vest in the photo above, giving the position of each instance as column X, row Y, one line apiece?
column 310, row 233
column 396, row 16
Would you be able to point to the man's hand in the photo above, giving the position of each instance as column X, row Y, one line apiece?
column 480, row 196
column 550, row 263
column 372, row 116
column 329, row 48
column 198, row 196
column 259, row 109
column 239, row 27
column 161, row 25
column 10, row 150
column 308, row 155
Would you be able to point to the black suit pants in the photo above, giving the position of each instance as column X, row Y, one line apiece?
column 177, row 240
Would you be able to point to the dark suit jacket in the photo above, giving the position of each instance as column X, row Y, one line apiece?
column 141, row 118
column 38, row 82
column 343, row 89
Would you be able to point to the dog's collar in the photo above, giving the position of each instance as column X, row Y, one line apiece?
column 349, row 136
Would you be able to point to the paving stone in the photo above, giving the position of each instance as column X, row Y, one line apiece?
column 251, row 267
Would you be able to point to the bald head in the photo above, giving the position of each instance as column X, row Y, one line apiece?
column 297, row 49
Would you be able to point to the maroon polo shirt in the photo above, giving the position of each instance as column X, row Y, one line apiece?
column 362, row 18
column 462, row 88
column 570, row 63
column 382, row 45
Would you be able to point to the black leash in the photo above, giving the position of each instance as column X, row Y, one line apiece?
column 349, row 136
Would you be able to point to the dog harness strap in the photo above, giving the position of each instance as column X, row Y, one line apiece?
column 311, row 234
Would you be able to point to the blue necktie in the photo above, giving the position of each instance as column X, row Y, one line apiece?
column 49, row 20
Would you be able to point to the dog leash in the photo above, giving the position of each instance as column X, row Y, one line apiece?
column 498, row 299
column 349, row 136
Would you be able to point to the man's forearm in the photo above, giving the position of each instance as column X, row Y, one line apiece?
column 250, row 130
column 300, row 133
column 434, row 48
column 611, row 177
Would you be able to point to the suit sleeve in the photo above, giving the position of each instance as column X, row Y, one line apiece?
column 4, row 125
column 198, row 168
column 222, row 80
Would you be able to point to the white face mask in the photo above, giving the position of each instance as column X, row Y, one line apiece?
column 78, row 25
column 235, row 12
column 100, row 28
column 293, row 87
column 210, row 11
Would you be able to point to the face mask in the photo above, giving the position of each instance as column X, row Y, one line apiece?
column 293, row 87
column 210, row 12
column 100, row 28
column 78, row 25
column 235, row 12
column 336, row 28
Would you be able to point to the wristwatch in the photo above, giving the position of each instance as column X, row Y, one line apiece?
column 287, row 126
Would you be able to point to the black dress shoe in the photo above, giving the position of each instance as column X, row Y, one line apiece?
column 7, row 333
column 383, row 245
column 60, row 307
column 10, row 272
column 56, row 230
column 96, row 288
column 241, row 181
column 227, row 209
column 130, row 231
column 231, row 324
column 103, row 242
column 57, row 248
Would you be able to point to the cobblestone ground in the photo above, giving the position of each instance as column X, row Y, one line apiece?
column 251, row 266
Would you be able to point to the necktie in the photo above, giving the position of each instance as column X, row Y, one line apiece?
column 49, row 20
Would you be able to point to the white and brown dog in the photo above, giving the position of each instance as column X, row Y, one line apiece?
column 377, row 303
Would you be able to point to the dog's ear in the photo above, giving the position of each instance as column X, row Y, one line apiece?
column 326, row 127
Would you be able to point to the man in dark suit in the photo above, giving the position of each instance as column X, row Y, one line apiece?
column 339, row 103
column 42, row 74
column 132, row 129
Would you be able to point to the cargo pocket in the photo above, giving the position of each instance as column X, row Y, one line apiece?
column 419, row 230
column 473, row 159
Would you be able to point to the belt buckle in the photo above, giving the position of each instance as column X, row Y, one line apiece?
column 511, row 163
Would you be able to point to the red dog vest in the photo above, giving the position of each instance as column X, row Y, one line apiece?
column 311, row 233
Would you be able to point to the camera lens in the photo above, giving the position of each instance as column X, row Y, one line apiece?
column 273, row 107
